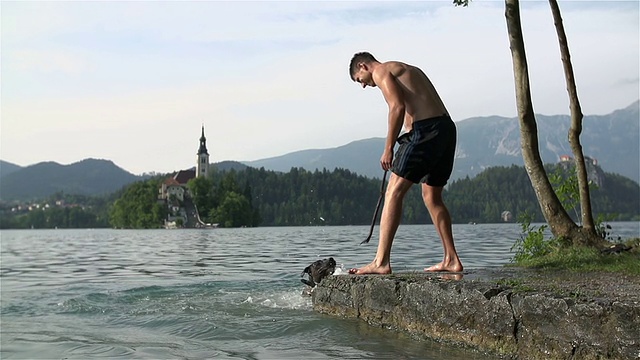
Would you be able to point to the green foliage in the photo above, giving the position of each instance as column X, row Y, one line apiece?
column 532, row 250
column 301, row 197
column 565, row 184
column 484, row 198
column 234, row 211
column 222, row 200
column 586, row 259
column 53, row 218
column 138, row 207
column 531, row 243
column 618, row 199
column 338, row 197
column 603, row 229
column 59, row 211
column 202, row 192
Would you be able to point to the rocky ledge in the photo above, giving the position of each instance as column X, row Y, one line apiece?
column 511, row 312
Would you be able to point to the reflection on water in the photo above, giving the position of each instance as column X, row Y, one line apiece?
column 223, row 293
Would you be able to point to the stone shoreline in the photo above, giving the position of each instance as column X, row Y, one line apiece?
column 515, row 313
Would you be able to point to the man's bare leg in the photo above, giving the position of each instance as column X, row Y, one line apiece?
column 432, row 196
column 389, row 222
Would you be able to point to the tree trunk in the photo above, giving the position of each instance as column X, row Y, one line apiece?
column 560, row 224
column 590, row 236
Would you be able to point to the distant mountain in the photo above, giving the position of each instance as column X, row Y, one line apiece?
column 494, row 141
column 7, row 168
column 613, row 140
column 361, row 157
column 86, row 177
column 229, row 165
column 610, row 139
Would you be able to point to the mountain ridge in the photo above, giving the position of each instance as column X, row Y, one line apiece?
column 85, row 177
column 487, row 141
column 7, row 168
column 493, row 141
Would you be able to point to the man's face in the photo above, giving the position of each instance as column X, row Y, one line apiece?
column 364, row 76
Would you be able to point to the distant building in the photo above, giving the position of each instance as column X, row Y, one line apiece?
column 595, row 174
column 172, row 187
column 202, row 168
column 175, row 195
column 587, row 160
column 182, row 177
column 565, row 158
column 177, row 184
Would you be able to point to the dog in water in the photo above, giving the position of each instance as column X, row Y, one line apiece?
column 318, row 270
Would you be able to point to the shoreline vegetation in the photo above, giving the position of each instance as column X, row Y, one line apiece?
column 553, row 256
column 305, row 198
column 587, row 259
column 533, row 250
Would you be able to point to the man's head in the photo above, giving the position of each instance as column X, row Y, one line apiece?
column 360, row 68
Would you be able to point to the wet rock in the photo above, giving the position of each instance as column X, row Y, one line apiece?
column 520, row 314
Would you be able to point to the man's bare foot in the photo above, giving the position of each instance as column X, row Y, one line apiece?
column 371, row 269
column 450, row 267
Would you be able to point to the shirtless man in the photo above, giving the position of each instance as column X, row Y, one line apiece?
column 425, row 153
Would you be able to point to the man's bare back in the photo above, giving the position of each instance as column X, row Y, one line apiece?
column 420, row 97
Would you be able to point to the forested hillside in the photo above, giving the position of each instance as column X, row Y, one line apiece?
column 138, row 207
column 259, row 197
column 484, row 197
column 340, row 197
column 301, row 197
column 59, row 211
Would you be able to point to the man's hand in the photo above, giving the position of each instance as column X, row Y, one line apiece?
column 386, row 159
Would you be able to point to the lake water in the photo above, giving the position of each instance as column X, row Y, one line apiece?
column 223, row 293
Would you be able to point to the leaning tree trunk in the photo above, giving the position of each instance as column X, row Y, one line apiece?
column 590, row 237
column 561, row 225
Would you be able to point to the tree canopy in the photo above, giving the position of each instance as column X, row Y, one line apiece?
column 259, row 197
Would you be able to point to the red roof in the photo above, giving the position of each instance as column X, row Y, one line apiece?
column 183, row 176
column 171, row 181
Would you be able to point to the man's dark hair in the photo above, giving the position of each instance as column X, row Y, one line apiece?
column 358, row 58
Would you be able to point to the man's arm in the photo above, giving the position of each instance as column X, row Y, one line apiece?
column 393, row 95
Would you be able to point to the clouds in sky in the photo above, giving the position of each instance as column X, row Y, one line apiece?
column 134, row 81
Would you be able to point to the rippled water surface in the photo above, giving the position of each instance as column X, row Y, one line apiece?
column 223, row 293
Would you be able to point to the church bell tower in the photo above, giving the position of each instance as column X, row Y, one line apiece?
column 202, row 168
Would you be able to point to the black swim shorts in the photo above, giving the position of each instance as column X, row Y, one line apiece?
column 426, row 152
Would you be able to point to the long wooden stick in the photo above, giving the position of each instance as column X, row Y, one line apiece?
column 375, row 214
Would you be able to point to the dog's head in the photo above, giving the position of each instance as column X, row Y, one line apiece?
column 318, row 270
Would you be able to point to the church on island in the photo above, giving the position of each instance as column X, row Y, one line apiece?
column 173, row 193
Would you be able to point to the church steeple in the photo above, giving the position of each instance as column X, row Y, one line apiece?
column 202, row 168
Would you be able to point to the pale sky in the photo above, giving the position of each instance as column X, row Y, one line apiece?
column 133, row 82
